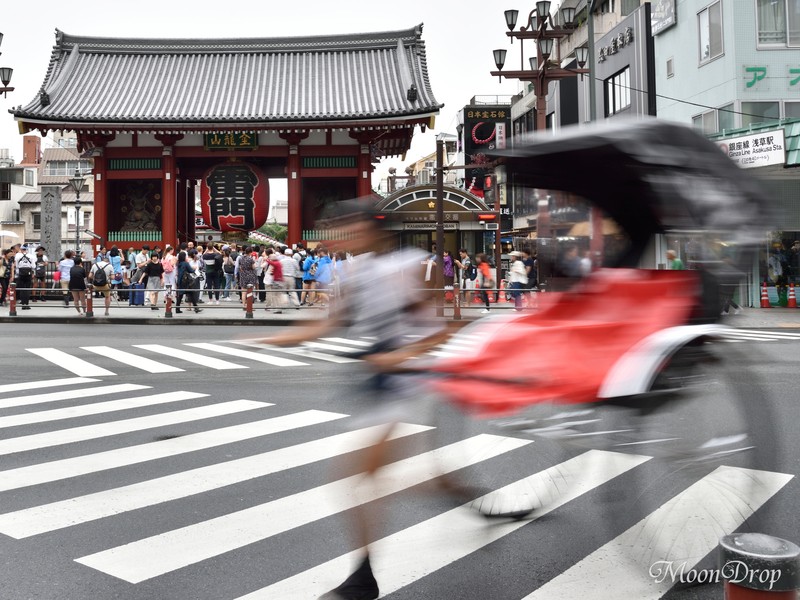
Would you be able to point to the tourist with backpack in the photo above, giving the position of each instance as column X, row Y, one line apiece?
column 101, row 275
column 213, row 267
column 468, row 272
column 168, row 261
column 310, row 265
column 39, row 275
column 23, row 276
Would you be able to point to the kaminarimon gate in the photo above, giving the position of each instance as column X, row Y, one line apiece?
column 164, row 119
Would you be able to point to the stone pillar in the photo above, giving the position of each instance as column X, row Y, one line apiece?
column 51, row 221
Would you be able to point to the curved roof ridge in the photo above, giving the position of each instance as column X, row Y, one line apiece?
column 349, row 41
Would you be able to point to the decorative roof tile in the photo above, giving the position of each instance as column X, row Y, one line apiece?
column 279, row 81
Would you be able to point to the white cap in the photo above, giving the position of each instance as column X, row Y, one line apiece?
column 288, row 252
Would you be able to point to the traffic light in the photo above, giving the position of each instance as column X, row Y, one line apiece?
column 489, row 190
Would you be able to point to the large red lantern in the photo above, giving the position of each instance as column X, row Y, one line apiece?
column 234, row 196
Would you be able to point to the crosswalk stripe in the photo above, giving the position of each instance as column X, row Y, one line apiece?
column 100, row 430
column 66, row 513
column 338, row 340
column 299, row 351
column 191, row 357
column 270, row 360
column 95, row 409
column 748, row 337
column 35, row 385
column 332, row 347
column 71, row 394
column 608, row 570
column 448, row 537
column 156, row 555
column 132, row 360
column 120, row 457
column 70, row 363
column 789, row 335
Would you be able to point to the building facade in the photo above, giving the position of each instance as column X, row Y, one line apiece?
column 223, row 116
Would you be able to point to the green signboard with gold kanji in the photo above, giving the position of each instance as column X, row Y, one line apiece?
column 230, row 141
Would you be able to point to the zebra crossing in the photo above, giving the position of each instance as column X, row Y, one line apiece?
column 243, row 354
column 162, row 550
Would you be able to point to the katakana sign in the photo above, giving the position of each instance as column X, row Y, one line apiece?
column 234, row 197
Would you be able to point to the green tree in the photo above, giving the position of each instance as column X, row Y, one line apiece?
column 275, row 231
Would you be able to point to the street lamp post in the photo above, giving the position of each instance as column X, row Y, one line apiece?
column 5, row 76
column 77, row 182
column 541, row 28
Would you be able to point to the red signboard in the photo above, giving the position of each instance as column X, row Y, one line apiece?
column 234, row 196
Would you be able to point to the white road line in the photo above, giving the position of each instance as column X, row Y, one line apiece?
column 132, row 360
column 156, row 555
column 35, row 385
column 264, row 358
column 120, row 457
column 97, row 408
column 782, row 334
column 101, row 430
column 70, row 363
column 696, row 519
column 338, row 340
column 71, row 394
column 332, row 347
column 408, row 555
column 748, row 337
column 67, row 513
column 299, row 351
column 191, row 357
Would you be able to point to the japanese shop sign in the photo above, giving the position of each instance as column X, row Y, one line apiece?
column 618, row 42
column 758, row 78
column 756, row 150
column 230, row 141
column 234, row 197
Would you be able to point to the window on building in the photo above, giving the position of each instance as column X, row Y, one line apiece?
column 618, row 92
column 709, row 21
column 5, row 191
column 726, row 117
column 66, row 167
column 706, row 123
column 760, row 112
column 29, row 181
column 778, row 22
column 628, row 6
column 791, row 110
column 37, row 221
column 670, row 68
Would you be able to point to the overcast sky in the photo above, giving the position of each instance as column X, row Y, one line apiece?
column 459, row 39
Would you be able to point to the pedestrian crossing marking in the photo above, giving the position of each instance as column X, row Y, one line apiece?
column 298, row 351
column 120, row 457
column 270, row 360
column 71, row 394
column 191, row 357
column 35, row 385
column 100, row 430
column 132, row 360
column 96, row 408
column 451, row 536
column 150, row 557
column 70, row 363
column 332, row 347
column 605, row 572
column 339, row 340
column 49, row 517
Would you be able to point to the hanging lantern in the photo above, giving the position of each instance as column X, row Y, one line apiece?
column 234, row 196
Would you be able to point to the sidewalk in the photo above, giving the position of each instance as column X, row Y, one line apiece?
column 231, row 313
column 225, row 313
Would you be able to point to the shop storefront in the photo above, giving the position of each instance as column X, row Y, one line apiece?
column 772, row 153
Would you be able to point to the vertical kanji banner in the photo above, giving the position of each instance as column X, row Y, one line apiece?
column 234, row 196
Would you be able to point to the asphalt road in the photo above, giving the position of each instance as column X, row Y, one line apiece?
column 223, row 480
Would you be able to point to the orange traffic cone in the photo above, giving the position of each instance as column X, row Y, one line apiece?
column 501, row 298
column 792, row 298
column 764, row 296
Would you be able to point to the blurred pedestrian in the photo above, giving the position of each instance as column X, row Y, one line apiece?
column 64, row 268
column 673, row 262
column 154, row 271
column 393, row 278
column 23, row 276
column 485, row 281
column 517, row 278
column 6, row 267
column 39, row 275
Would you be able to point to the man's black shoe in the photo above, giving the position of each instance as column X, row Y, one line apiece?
column 361, row 585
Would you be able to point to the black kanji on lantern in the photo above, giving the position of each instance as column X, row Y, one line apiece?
column 231, row 204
